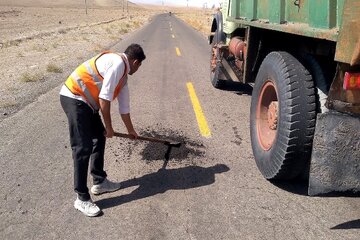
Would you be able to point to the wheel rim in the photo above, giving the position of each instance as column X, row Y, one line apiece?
column 267, row 115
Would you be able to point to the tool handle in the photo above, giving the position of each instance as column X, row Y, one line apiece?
column 150, row 139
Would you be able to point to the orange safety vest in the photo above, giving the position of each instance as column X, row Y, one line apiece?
column 86, row 81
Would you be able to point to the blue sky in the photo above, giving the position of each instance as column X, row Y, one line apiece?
column 193, row 3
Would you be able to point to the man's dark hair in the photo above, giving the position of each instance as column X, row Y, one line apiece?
column 135, row 52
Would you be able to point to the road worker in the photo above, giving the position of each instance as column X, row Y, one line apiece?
column 88, row 91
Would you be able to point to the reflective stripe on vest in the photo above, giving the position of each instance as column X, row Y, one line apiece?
column 86, row 82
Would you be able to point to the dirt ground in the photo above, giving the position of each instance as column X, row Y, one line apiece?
column 40, row 44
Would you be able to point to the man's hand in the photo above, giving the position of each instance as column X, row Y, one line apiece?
column 105, row 110
column 133, row 134
column 109, row 132
column 129, row 126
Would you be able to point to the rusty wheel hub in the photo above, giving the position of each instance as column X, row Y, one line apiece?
column 267, row 115
column 273, row 115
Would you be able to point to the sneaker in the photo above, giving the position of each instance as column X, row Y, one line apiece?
column 104, row 187
column 87, row 207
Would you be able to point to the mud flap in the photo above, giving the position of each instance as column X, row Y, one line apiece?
column 335, row 160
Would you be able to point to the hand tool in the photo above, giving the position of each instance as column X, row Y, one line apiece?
column 152, row 139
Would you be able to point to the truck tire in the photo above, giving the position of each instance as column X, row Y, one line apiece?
column 321, row 85
column 218, row 75
column 282, row 117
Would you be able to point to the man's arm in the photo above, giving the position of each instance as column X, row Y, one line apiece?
column 128, row 124
column 105, row 111
column 124, row 110
column 112, row 75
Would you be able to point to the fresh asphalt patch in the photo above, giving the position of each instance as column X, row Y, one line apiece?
column 189, row 153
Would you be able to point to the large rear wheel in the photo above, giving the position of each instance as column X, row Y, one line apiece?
column 283, row 115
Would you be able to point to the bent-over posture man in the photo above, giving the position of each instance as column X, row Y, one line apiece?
column 88, row 90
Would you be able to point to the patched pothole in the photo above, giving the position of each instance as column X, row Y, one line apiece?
column 151, row 151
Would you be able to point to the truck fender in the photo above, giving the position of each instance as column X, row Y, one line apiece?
column 217, row 33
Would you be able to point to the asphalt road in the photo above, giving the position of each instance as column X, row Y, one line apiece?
column 211, row 188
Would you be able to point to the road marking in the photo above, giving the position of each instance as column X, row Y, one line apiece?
column 172, row 35
column 200, row 117
column 170, row 28
column 178, row 51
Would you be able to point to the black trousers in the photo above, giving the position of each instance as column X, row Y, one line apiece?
column 87, row 143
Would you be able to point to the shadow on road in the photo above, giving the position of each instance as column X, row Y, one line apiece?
column 237, row 87
column 299, row 187
column 355, row 224
column 164, row 180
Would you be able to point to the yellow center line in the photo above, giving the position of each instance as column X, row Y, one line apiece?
column 178, row 51
column 200, row 117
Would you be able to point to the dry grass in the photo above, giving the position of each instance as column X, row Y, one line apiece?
column 7, row 104
column 40, row 48
column 199, row 19
column 10, row 43
column 35, row 77
column 53, row 68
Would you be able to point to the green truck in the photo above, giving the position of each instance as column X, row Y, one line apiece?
column 302, row 59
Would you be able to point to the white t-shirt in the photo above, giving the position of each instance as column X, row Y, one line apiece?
column 111, row 67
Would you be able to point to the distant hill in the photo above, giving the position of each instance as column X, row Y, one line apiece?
column 65, row 3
